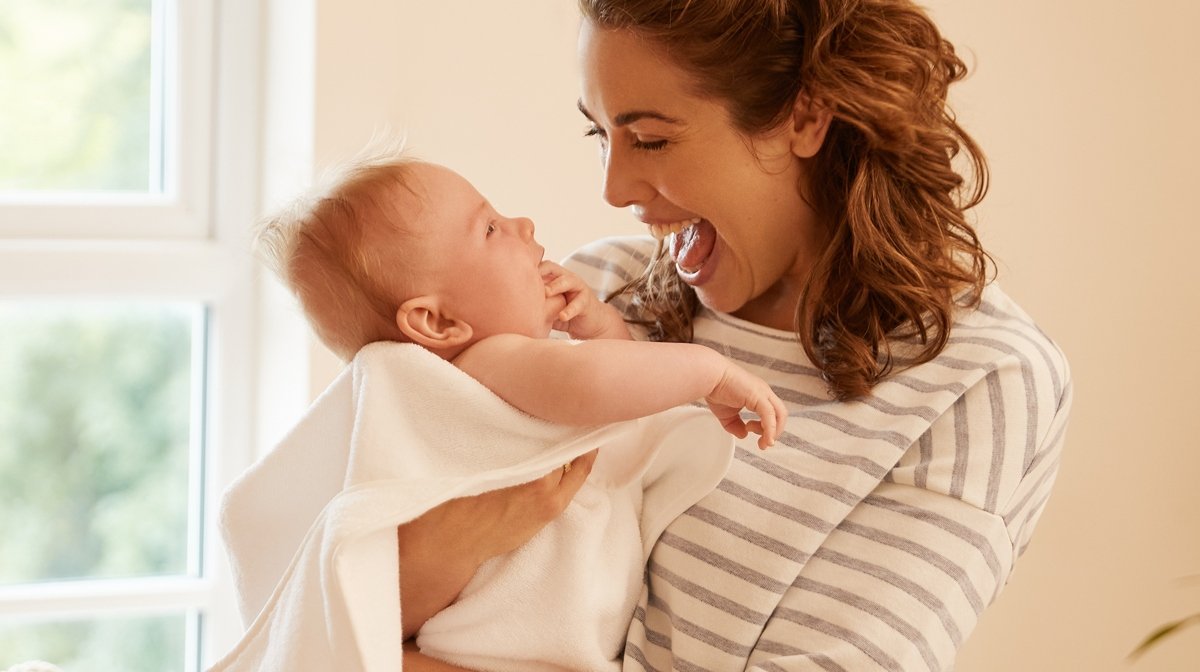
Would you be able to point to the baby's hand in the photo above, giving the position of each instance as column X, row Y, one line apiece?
column 740, row 389
column 585, row 316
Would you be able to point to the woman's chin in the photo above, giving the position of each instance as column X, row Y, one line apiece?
column 718, row 301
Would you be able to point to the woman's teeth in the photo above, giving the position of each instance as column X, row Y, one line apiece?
column 661, row 231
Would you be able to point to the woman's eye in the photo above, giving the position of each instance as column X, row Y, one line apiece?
column 595, row 132
column 648, row 145
column 652, row 145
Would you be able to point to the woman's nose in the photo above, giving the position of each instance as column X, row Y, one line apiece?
column 623, row 183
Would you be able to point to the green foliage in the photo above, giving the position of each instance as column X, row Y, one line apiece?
column 149, row 644
column 94, row 441
column 95, row 401
column 77, row 90
column 95, row 422
column 1157, row 636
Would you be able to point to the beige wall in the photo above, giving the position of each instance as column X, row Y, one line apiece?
column 1086, row 109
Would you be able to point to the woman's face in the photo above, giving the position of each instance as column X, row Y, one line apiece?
column 677, row 160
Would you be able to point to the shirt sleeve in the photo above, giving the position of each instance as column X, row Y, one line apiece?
column 609, row 264
column 898, row 585
column 902, row 581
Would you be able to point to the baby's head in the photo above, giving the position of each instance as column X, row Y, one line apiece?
column 391, row 248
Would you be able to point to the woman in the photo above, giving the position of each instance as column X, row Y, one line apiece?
column 800, row 159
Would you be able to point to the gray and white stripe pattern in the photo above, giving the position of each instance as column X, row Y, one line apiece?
column 876, row 532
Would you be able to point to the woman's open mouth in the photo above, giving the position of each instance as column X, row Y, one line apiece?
column 692, row 247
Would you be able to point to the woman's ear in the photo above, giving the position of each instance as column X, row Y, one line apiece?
column 810, row 124
column 423, row 321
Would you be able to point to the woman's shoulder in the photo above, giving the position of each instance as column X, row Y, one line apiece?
column 609, row 264
column 998, row 347
column 998, row 327
column 1003, row 394
column 996, row 360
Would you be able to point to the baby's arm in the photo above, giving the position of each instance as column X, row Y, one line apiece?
column 601, row 381
column 585, row 317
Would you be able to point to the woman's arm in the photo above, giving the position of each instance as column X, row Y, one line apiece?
column 415, row 661
column 440, row 551
column 898, row 585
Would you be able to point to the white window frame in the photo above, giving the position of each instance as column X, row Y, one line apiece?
column 189, row 244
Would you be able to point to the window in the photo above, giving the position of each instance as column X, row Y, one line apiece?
column 85, row 81
column 126, row 304
column 99, row 112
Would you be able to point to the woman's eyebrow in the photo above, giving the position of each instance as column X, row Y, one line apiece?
column 626, row 118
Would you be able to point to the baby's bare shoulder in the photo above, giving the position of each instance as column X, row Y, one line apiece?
column 504, row 348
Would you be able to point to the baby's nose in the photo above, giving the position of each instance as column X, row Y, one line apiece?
column 525, row 226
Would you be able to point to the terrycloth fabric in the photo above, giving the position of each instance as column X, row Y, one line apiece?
column 311, row 528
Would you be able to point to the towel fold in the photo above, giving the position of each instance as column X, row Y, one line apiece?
column 311, row 528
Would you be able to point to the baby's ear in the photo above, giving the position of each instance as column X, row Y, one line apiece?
column 423, row 321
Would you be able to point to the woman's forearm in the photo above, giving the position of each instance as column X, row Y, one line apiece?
column 414, row 661
column 430, row 577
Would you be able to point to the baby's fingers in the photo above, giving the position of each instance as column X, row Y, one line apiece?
column 558, row 279
column 558, row 285
column 572, row 310
column 549, row 269
column 730, row 419
column 764, row 440
column 766, row 429
column 772, row 418
column 781, row 413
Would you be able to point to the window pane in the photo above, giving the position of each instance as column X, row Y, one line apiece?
column 95, row 422
column 78, row 96
column 136, row 644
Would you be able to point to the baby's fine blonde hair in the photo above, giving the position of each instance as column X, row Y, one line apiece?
column 318, row 246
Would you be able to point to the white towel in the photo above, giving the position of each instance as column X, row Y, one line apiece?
column 311, row 528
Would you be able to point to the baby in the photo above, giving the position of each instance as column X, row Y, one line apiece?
column 397, row 249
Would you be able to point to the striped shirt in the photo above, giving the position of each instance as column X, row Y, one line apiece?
column 875, row 532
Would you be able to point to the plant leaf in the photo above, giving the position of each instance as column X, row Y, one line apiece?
column 1153, row 638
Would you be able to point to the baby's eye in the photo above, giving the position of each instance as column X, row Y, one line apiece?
column 491, row 228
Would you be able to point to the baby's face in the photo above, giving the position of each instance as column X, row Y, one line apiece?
column 482, row 265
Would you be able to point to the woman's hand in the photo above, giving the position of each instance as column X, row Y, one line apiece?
column 440, row 551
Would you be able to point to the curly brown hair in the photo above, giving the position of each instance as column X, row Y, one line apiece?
column 902, row 253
